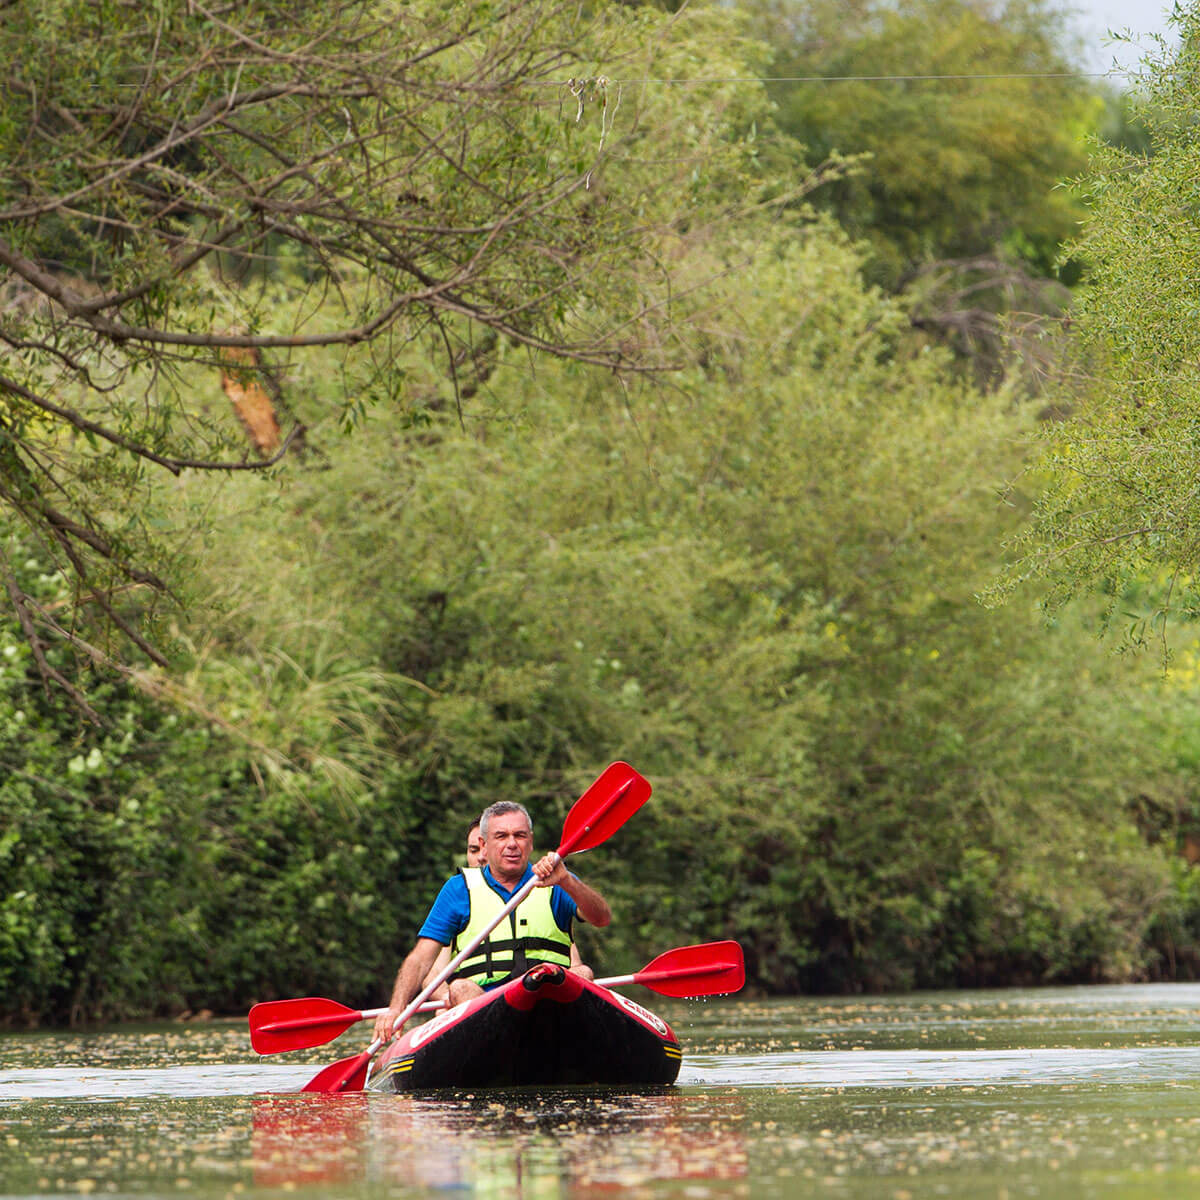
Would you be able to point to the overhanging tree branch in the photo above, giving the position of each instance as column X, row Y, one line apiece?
column 323, row 183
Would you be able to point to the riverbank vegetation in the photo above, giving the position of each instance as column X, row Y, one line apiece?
column 722, row 502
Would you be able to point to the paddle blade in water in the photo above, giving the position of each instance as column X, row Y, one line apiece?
column 615, row 796
column 345, row 1075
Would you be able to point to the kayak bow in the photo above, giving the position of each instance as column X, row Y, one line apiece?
column 550, row 1027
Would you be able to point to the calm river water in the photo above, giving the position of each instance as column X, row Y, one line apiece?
column 1058, row 1092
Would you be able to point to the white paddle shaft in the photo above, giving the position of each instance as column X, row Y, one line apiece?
column 469, row 949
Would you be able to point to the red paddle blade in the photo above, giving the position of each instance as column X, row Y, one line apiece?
column 713, row 969
column 615, row 796
column 345, row 1075
column 279, row 1025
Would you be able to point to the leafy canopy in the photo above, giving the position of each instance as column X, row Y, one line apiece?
column 962, row 163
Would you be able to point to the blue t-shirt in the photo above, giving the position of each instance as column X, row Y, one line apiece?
column 452, row 909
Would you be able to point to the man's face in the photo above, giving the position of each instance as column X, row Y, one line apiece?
column 508, row 845
column 475, row 856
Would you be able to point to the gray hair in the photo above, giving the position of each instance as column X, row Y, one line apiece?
column 501, row 809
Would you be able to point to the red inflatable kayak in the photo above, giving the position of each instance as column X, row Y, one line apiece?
column 547, row 1028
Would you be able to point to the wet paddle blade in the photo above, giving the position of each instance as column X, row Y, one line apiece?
column 279, row 1025
column 711, row 969
column 615, row 796
column 345, row 1075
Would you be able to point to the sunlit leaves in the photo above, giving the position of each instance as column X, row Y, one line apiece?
column 1122, row 505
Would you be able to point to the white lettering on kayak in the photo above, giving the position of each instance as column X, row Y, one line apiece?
column 644, row 1015
column 423, row 1033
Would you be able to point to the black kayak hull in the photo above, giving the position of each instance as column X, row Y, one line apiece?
column 548, row 1028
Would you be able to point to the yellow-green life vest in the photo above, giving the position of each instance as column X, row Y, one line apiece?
column 528, row 935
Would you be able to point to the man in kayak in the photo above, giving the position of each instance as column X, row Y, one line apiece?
column 538, row 931
column 475, row 858
column 474, row 846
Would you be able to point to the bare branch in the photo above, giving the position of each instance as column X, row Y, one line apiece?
column 24, row 607
column 289, row 179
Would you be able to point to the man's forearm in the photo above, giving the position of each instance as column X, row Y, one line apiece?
column 402, row 990
column 408, row 982
column 411, row 975
column 592, row 906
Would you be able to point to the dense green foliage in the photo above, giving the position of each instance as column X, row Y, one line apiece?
column 1117, row 508
column 754, row 577
column 957, row 166
column 161, row 866
column 758, row 591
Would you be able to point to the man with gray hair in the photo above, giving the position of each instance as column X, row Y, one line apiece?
column 538, row 930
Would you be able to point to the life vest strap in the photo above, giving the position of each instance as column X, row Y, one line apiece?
column 508, row 959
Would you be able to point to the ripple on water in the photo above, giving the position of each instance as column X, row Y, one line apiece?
column 918, row 1068
column 788, row 1070
column 229, row 1079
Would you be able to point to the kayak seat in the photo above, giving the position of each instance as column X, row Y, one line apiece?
column 542, row 974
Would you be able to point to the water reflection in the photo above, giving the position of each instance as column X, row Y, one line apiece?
column 307, row 1138
column 569, row 1144
column 1058, row 1093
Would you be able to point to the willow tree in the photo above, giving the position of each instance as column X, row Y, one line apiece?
column 1121, row 509
column 195, row 193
